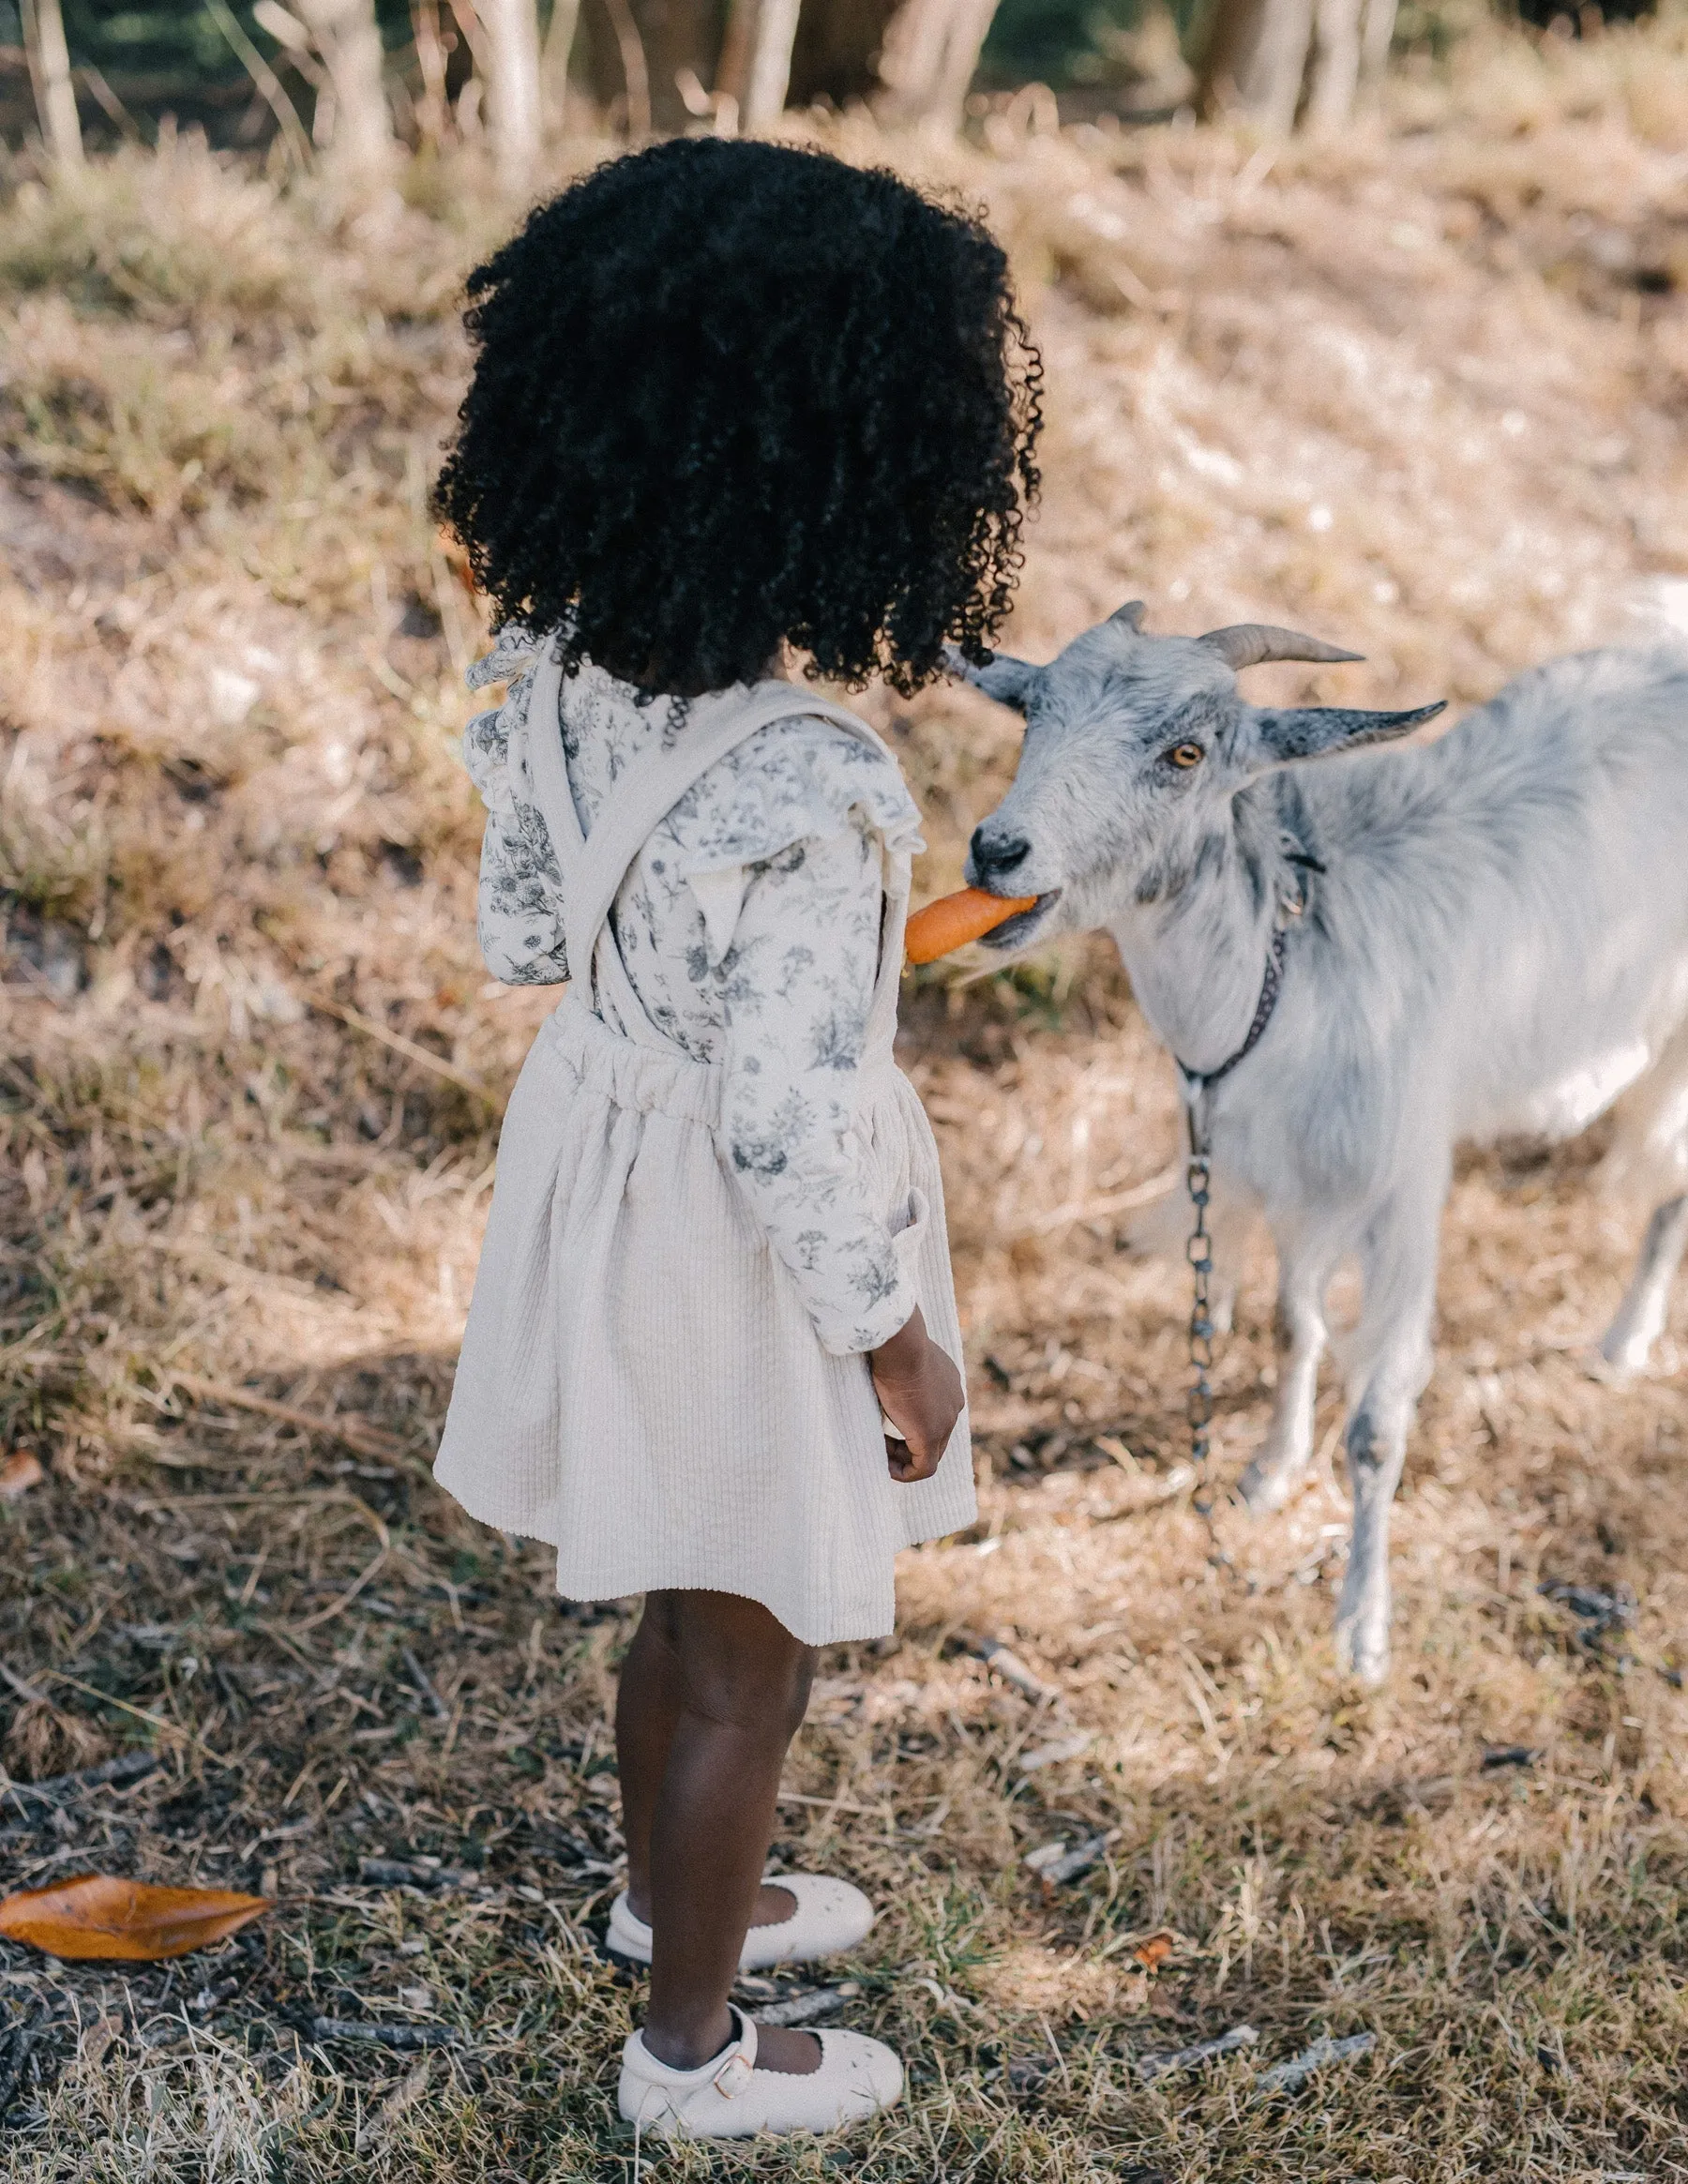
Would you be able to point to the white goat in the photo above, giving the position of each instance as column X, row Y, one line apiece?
column 1485, row 935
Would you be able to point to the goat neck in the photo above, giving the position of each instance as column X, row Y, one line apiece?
column 1196, row 935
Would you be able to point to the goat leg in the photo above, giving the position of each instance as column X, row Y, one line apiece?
column 1640, row 1321
column 1299, row 1334
column 1398, row 1269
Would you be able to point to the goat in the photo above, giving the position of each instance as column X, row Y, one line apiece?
column 1360, row 958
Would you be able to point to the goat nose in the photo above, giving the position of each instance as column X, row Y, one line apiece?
column 993, row 855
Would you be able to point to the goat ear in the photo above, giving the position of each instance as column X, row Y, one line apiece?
column 1312, row 731
column 1007, row 680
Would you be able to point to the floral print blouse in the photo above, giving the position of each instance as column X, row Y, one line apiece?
column 749, row 929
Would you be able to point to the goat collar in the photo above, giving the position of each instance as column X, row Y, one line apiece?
column 1198, row 1082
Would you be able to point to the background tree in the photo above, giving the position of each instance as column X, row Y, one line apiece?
column 512, row 31
column 770, row 71
column 930, row 57
column 353, row 122
column 237, row 68
column 913, row 58
column 554, row 55
column 1281, row 61
column 49, row 58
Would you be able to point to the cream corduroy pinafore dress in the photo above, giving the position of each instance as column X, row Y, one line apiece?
column 639, row 1383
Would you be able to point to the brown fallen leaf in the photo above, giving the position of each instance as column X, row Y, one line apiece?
column 95, row 1915
column 19, row 1473
column 1153, row 1952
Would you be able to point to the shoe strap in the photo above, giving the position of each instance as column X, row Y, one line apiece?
column 738, row 2064
column 734, row 2075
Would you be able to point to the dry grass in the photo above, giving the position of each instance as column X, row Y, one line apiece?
column 1421, row 390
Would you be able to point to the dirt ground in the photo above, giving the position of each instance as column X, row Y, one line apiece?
column 1422, row 391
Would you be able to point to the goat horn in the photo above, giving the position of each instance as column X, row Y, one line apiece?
column 1249, row 645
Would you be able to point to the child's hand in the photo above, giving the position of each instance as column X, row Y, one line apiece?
column 921, row 1393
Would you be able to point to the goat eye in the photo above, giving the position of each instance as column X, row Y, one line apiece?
column 1185, row 756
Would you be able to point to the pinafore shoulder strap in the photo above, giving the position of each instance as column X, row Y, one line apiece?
column 594, row 866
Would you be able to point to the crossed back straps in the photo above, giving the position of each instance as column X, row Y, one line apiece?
column 594, row 866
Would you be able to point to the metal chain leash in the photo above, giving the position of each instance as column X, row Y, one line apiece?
column 1198, row 1250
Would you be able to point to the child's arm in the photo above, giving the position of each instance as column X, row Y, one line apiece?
column 797, row 983
column 520, row 909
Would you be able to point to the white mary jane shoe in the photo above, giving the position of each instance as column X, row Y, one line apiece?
column 830, row 1916
column 728, row 2096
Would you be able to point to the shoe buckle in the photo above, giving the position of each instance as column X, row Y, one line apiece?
column 734, row 2075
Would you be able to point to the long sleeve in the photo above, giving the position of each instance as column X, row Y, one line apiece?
column 797, row 981
column 520, row 909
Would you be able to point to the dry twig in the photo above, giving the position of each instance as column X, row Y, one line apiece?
column 353, row 1433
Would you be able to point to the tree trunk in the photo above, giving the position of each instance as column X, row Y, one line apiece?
column 346, row 33
column 1257, row 58
column 738, row 42
column 1336, row 64
column 49, row 76
column 769, row 75
column 553, row 60
column 433, row 111
column 930, row 55
column 512, row 28
column 1375, row 39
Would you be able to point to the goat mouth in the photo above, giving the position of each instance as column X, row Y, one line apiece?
column 1023, row 924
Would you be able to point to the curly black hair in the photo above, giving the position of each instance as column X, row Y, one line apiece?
column 728, row 394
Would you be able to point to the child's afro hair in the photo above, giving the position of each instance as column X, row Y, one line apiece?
column 729, row 394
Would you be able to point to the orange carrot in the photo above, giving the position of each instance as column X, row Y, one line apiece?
column 954, row 920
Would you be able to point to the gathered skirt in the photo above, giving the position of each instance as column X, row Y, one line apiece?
column 639, row 1383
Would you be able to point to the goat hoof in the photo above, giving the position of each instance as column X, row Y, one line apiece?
column 1362, row 1654
column 1266, row 1486
column 1617, row 1363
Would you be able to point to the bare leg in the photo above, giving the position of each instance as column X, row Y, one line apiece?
column 648, row 1703
column 647, row 1706
column 1299, row 1332
column 1398, row 1267
column 711, row 1694
column 1640, row 1321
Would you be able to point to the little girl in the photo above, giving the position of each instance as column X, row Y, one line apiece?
column 737, row 409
